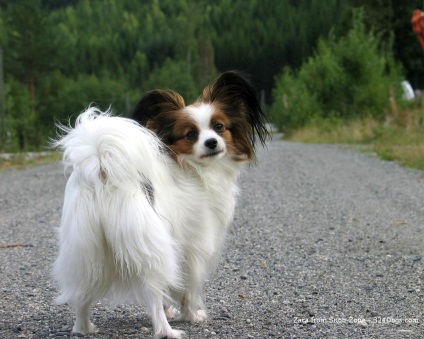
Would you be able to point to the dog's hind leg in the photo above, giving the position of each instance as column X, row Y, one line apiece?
column 161, row 327
column 171, row 312
column 83, row 325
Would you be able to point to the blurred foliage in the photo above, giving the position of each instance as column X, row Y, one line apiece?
column 346, row 78
column 62, row 55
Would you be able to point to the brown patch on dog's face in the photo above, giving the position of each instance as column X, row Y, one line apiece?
column 234, row 133
column 183, row 136
column 222, row 125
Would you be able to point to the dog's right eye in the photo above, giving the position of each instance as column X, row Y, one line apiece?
column 192, row 135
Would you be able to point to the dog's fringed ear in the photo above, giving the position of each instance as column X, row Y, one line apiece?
column 235, row 95
column 154, row 104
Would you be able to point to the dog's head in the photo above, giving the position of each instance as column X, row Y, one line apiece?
column 225, row 121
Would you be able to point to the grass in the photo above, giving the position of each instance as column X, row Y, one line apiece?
column 404, row 146
column 18, row 161
column 399, row 142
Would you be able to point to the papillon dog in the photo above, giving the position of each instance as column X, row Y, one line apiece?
column 149, row 199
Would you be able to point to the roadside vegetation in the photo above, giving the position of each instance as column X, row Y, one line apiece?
column 16, row 161
column 328, row 71
column 389, row 141
column 349, row 92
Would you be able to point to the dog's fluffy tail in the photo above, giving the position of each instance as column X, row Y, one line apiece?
column 111, row 230
column 102, row 146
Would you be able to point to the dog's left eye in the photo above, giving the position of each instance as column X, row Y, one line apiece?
column 219, row 128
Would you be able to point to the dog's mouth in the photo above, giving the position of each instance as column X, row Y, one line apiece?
column 212, row 154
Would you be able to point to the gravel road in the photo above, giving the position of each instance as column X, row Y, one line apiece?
column 326, row 242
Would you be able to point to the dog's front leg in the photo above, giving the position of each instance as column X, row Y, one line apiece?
column 161, row 327
column 190, row 310
column 192, row 307
column 83, row 325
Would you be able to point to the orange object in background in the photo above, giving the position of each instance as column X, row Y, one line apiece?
column 418, row 25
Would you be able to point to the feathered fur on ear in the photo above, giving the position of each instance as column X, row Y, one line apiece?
column 156, row 111
column 234, row 94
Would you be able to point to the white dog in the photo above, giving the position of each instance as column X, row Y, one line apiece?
column 149, row 199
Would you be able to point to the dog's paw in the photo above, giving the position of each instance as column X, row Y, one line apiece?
column 85, row 330
column 172, row 312
column 195, row 317
column 173, row 334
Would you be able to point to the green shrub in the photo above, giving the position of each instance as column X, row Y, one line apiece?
column 172, row 74
column 346, row 78
column 21, row 127
column 294, row 103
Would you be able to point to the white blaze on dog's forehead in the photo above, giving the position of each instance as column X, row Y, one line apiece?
column 202, row 114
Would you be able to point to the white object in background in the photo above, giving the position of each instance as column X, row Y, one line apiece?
column 408, row 92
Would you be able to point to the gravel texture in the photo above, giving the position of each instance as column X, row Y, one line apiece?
column 326, row 242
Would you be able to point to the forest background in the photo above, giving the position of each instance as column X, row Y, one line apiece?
column 310, row 60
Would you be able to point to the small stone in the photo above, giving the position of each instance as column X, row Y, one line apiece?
column 145, row 329
column 45, row 333
column 225, row 315
column 243, row 277
column 248, row 321
column 61, row 334
column 17, row 329
column 362, row 324
column 367, row 287
column 221, row 318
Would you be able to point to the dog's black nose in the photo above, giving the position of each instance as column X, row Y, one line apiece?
column 211, row 143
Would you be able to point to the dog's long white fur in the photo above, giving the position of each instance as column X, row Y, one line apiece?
column 118, row 240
